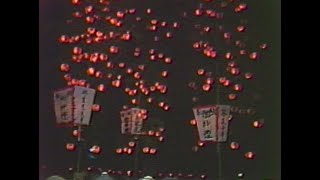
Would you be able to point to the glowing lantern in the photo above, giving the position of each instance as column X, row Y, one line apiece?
column 116, row 83
column 234, row 145
column 91, row 71
column 75, row 2
column 154, row 21
column 150, row 133
column 118, row 150
column 232, row 96
column 201, row 72
column 198, row 12
column 164, row 73
column 149, row 100
column 257, row 124
column 240, row 28
column 96, row 107
column 70, row 147
column 242, row 6
column 122, row 65
column 243, row 52
column 206, row 87
column 253, row 56
column 157, row 134
column 129, row 173
column 248, row 75
column 200, row 143
column 227, row 35
column 90, row 19
column 263, row 46
column 240, row 175
column 67, row 77
column 193, row 122
column 75, row 133
column 249, row 155
column 161, row 138
column 168, row 60
column 152, row 58
column 153, row 151
column 238, row 87
column 203, row 176
column 134, row 102
column 166, row 107
column 163, row 24
column 113, row 49
column 206, row 29
column 129, row 71
column 228, row 55
column 129, row 151
column 160, row 55
column 209, row 81
column 148, row 11
column 77, row 50
column 120, row 14
column 131, row 144
column 64, row 67
column 132, row 11
column 168, row 35
column 227, row 83
column 146, row 150
column 161, row 104
column 95, row 149
column 101, row 88
column 88, row 9
column 170, row 174
column 136, row 53
column 176, row 25
column 103, row 57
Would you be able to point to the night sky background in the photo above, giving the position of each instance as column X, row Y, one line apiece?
column 175, row 154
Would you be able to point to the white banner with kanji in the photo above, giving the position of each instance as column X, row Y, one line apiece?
column 63, row 102
column 125, row 117
column 223, row 114
column 206, row 122
column 83, row 101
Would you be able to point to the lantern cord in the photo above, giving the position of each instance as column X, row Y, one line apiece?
column 79, row 148
column 219, row 154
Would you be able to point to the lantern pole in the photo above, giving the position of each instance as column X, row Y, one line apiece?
column 79, row 148
column 218, row 143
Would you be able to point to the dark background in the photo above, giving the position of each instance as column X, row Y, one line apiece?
column 175, row 155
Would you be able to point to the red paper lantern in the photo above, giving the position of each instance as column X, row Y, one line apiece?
column 70, row 147
column 250, row 155
column 234, row 145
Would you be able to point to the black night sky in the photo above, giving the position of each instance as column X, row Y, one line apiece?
column 175, row 154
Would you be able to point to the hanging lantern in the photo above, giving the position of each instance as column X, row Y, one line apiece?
column 101, row 88
column 153, row 151
column 129, row 173
column 168, row 60
column 129, row 151
column 175, row 25
column 141, row 67
column 113, row 49
column 95, row 149
column 257, row 124
column 169, row 35
column 235, row 71
column 166, row 107
column 164, row 74
column 193, row 122
column 227, row 83
column 131, row 144
column 125, row 149
column 119, row 150
column 70, row 147
column 248, row 75
column 116, row 83
column 170, row 175
column 209, row 81
column 161, row 104
column 240, row 175
column 263, row 46
column 76, row 133
column 75, row 2
column 200, row 72
column 227, row 35
column 148, row 11
column 90, row 71
column 96, row 107
column 161, row 138
column 134, row 101
column 157, row 134
column 88, row 9
column 206, row 87
column 203, row 176
column 137, row 75
column 222, row 80
column 149, row 100
column 146, row 150
column 152, row 51
column 228, row 55
column 241, row 28
column 200, row 143
column 161, row 129
column 198, row 12
column 249, row 155
column 253, row 56
column 150, row 133
column 64, row 67
column 234, row 145
column 238, row 87
column 232, row 96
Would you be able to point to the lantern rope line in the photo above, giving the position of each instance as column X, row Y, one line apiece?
column 219, row 154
